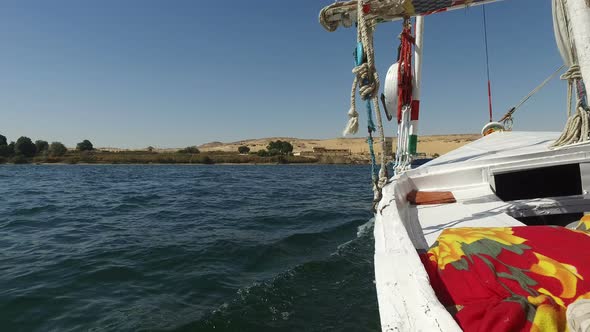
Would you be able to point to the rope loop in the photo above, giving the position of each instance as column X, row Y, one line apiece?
column 367, row 84
column 573, row 73
column 329, row 26
column 508, row 122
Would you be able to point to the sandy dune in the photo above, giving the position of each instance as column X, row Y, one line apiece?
column 430, row 145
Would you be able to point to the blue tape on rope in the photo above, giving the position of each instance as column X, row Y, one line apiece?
column 370, row 122
column 374, row 172
column 359, row 54
column 359, row 59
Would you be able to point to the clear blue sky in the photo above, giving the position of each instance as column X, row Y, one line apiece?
column 175, row 73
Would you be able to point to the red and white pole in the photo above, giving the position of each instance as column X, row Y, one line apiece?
column 415, row 107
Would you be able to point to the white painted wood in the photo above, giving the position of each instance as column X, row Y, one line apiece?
column 585, row 172
column 407, row 302
column 417, row 77
column 406, row 299
column 418, row 52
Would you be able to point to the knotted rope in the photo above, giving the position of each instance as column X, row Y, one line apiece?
column 571, row 75
column 577, row 126
column 366, row 82
column 337, row 8
column 341, row 12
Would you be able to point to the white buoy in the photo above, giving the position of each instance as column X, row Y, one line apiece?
column 492, row 127
column 390, row 90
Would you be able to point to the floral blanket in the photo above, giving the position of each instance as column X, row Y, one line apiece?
column 511, row 279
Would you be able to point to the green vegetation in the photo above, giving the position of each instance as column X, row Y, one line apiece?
column 85, row 145
column 283, row 148
column 25, row 151
column 276, row 148
column 145, row 157
column 24, row 147
column 5, row 151
column 190, row 149
column 11, row 148
column 262, row 153
column 56, row 149
column 243, row 149
column 42, row 146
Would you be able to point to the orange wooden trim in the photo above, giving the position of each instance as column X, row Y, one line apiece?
column 430, row 197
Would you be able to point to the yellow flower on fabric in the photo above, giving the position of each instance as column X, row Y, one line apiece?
column 451, row 240
column 566, row 274
column 549, row 318
column 547, row 293
column 539, row 299
column 584, row 223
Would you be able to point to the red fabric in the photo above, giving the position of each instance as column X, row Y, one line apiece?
column 404, row 73
column 415, row 114
column 510, row 279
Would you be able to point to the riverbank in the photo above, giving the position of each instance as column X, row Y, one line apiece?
column 143, row 157
column 344, row 151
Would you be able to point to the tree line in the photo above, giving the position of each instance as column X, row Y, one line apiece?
column 25, row 150
column 274, row 148
column 25, row 147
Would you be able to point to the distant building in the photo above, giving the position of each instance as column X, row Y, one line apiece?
column 321, row 151
column 110, row 149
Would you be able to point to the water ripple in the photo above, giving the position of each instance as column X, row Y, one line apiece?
column 248, row 248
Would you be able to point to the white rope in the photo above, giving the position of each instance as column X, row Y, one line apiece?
column 507, row 120
column 366, row 81
column 576, row 128
column 336, row 8
column 366, row 32
column 571, row 75
column 402, row 155
column 342, row 12
column 540, row 86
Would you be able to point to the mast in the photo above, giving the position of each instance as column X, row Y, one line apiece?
column 579, row 15
column 413, row 143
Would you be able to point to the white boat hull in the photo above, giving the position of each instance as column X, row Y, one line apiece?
column 407, row 301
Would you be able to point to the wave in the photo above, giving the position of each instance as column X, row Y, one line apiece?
column 318, row 295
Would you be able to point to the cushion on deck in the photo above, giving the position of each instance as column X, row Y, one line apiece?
column 513, row 278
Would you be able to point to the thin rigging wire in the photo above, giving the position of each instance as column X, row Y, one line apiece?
column 485, row 31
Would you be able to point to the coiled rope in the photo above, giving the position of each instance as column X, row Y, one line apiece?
column 577, row 126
